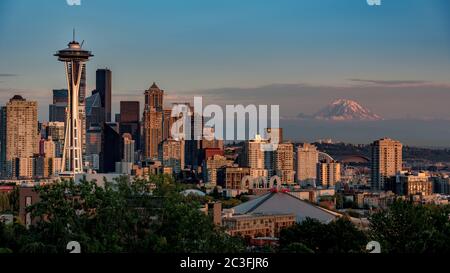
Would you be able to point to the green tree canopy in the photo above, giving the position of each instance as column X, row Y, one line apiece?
column 121, row 217
column 312, row 236
column 409, row 228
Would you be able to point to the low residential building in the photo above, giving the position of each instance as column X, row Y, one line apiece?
column 232, row 177
column 413, row 184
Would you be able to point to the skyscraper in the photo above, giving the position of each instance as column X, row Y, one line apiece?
column 57, row 110
column 154, row 97
column 386, row 161
column 128, row 148
column 19, row 134
column 55, row 130
column 95, row 112
column 129, row 111
column 153, row 121
column 254, row 156
column 47, row 148
column 129, row 120
column 60, row 96
column 93, row 147
column 172, row 155
column 111, row 148
column 211, row 166
column 307, row 159
column 104, row 89
column 254, row 153
column 74, row 58
column 167, row 123
column 284, row 162
column 328, row 173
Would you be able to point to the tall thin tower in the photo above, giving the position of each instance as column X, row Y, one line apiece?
column 74, row 58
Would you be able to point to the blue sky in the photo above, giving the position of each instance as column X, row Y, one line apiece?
column 190, row 45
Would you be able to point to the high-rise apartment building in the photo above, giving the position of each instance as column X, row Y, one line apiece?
column 307, row 159
column 254, row 154
column 19, row 134
column 284, row 163
column 386, row 161
column 47, row 148
column 211, row 165
column 172, row 155
column 55, row 131
column 328, row 173
column 254, row 157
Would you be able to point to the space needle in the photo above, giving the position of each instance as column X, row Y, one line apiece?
column 74, row 57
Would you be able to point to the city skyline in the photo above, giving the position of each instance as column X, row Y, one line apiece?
column 251, row 58
column 250, row 129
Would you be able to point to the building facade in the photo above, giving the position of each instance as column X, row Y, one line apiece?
column 386, row 161
column 328, row 173
column 258, row 225
column 153, row 121
column 307, row 159
column 20, row 136
column 284, row 162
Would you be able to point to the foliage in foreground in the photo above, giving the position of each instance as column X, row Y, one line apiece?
column 124, row 217
column 121, row 217
column 403, row 228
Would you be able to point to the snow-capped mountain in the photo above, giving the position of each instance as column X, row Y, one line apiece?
column 345, row 110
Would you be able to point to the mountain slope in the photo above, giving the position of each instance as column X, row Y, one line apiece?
column 345, row 110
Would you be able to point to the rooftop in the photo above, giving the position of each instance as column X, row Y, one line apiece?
column 285, row 203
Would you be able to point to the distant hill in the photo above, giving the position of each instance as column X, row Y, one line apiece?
column 339, row 150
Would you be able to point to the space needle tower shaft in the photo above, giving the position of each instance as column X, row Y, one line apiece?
column 74, row 58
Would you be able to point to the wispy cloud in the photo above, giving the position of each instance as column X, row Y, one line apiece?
column 5, row 75
column 398, row 83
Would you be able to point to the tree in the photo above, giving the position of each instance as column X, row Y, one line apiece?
column 121, row 217
column 339, row 236
column 408, row 228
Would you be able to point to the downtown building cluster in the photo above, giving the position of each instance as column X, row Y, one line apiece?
column 286, row 183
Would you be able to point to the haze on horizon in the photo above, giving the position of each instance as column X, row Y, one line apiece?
column 393, row 59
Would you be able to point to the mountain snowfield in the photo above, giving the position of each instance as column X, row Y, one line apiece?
column 345, row 110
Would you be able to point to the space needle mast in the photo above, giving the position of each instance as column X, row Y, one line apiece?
column 74, row 58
